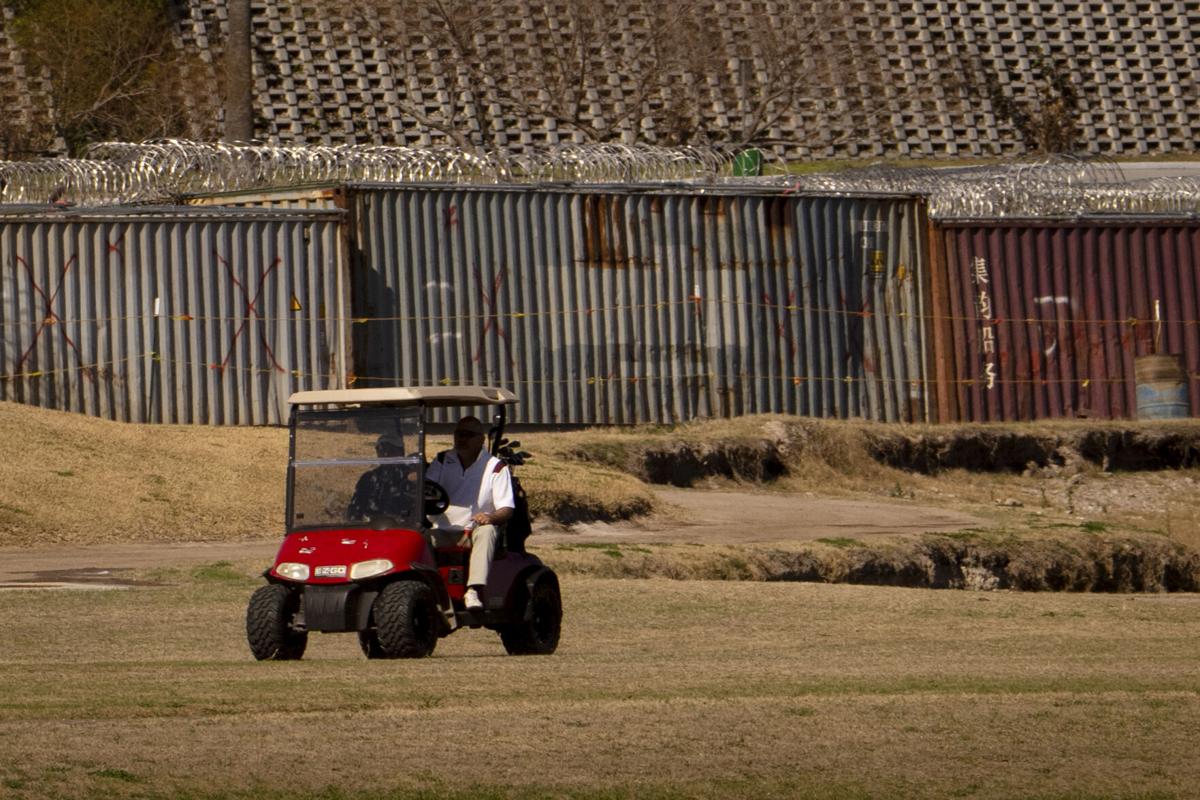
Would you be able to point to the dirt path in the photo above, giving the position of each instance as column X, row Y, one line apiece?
column 708, row 517
column 103, row 565
column 726, row 517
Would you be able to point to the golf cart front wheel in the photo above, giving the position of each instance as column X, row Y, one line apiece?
column 269, row 624
column 406, row 622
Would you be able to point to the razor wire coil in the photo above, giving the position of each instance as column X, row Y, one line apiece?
column 1059, row 186
column 123, row 173
column 118, row 173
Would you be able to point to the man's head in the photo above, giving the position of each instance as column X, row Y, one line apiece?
column 468, row 438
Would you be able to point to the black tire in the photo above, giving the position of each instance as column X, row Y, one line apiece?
column 537, row 634
column 406, row 622
column 369, row 642
column 269, row 619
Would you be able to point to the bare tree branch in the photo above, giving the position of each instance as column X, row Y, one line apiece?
column 672, row 73
column 112, row 69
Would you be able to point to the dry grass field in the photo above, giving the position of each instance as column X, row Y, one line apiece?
column 1024, row 501
column 70, row 479
column 688, row 668
column 660, row 689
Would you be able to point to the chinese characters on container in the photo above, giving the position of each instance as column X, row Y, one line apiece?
column 983, row 305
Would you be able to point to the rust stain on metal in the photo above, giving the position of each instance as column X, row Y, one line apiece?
column 1065, row 308
column 604, row 244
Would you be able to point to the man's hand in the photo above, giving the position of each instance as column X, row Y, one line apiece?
column 497, row 517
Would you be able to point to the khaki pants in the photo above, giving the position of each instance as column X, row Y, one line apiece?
column 482, row 542
column 483, row 547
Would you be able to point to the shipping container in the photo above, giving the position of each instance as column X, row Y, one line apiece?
column 314, row 196
column 171, row 314
column 1036, row 319
column 620, row 304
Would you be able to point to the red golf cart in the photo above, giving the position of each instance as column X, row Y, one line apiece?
column 377, row 568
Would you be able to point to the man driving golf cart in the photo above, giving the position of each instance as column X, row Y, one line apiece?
column 359, row 554
column 481, row 498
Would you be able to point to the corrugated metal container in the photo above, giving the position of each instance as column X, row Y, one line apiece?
column 171, row 314
column 320, row 196
column 1036, row 319
column 612, row 305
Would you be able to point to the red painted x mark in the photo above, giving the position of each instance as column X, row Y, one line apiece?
column 493, row 317
column 251, row 309
column 50, row 317
column 781, row 329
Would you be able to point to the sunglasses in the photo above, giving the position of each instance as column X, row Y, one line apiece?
column 467, row 434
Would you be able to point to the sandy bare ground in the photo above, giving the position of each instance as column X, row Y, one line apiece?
column 739, row 517
column 107, row 564
column 703, row 517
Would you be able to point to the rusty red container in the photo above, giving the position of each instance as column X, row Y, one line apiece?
column 1044, row 319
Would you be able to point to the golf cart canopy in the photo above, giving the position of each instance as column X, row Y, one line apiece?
column 431, row 396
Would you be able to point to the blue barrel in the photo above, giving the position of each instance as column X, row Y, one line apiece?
column 1162, row 387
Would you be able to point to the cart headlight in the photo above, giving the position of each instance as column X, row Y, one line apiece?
column 292, row 571
column 369, row 569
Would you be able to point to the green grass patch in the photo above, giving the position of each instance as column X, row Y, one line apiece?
column 840, row 542
column 123, row 776
column 220, row 572
column 606, row 548
column 993, row 537
column 959, row 536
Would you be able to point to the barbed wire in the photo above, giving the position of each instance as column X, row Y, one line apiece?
column 63, row 179
column 706, row 305
column 117, row 173
column 1056, row 186
column 1110, row 328
column 257, row 363
column 173, row 366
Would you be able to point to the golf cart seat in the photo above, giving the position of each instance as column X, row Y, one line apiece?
column 440, row 540
column 449, row 550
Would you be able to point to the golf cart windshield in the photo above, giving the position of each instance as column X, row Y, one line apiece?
column 356, row 467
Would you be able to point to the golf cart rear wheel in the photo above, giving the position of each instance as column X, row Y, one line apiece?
column 406, row 619
column 538, row 633
column 269, row 619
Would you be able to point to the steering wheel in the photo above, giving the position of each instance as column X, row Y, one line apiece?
column 436, row 498
column 383, row 522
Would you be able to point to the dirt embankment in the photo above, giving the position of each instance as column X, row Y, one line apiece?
column 987, row 449
column 1068, row 505
column 1060, row 506
column 782, row 448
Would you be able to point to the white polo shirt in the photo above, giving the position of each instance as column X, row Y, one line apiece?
column 484, row 486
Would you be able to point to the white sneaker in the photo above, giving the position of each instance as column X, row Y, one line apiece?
column 471, row 600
